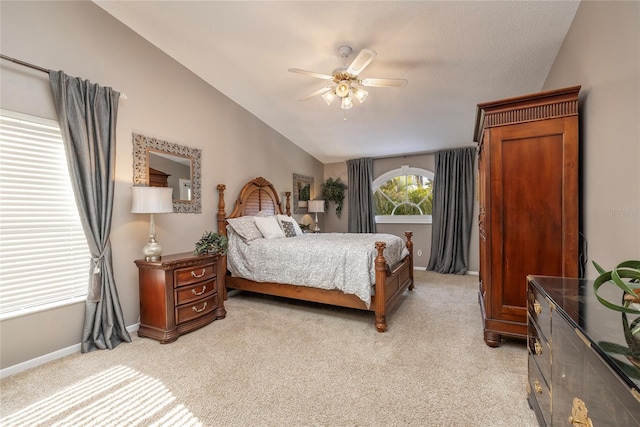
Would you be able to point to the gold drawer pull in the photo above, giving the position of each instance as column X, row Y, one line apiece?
column 579, row 414
column 196, row 276
column 201, row 310
column 538, row 348
column 537, row 386
column 537, row 307
column 204, row 288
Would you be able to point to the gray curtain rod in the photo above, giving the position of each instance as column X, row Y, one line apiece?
column 35, row 67
column 26, row 64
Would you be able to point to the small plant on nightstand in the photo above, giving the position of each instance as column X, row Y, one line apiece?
column 211, row 242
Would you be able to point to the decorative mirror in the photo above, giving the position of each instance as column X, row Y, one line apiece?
column 158, row 163
column 302, row 193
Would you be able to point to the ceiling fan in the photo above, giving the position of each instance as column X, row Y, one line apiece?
column 346, row 81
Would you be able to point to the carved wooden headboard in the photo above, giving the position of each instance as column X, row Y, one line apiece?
column 257, row 195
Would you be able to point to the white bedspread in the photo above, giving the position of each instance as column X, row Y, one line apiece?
column 344, row 261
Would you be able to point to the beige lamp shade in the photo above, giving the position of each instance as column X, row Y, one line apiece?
column 316, row 206
column 151, row 200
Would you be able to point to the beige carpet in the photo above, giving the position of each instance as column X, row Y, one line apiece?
column 272, row 362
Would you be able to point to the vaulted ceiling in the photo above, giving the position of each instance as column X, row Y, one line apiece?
column 454, row 54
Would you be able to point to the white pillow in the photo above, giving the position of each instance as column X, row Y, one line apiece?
column 287, row 218
column 269, row 227
column 245, row 226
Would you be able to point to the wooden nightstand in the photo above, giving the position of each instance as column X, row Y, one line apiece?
column 179, row 294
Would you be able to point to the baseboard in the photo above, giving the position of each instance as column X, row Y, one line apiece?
column 469, row 272
column 58, row 354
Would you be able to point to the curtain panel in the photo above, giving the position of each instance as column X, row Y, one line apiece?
column 453, row 193
column 87, row 116
column 362, row 212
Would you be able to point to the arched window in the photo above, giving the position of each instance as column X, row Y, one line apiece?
column 404, row 195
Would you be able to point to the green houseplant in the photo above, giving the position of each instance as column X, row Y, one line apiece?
column 333, row 191
column 629, row 270
column 212, row 242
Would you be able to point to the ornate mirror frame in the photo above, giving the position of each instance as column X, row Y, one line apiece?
column 299, row 183
column 142, row 145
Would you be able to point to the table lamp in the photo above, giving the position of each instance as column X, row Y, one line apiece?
column 151, row 200
column 316, row 206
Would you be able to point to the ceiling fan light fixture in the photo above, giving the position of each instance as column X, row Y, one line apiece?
column 346, row 103
column 342, row 90
column 329, row 97
column 360, row 94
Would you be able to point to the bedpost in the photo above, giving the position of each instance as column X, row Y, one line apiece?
column 381, row 286
column 287, row 195
column 409, row 234
column 222, row 229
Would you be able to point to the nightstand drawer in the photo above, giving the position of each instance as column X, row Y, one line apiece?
column 187, row 276
column 200, row 290
column 196, row 309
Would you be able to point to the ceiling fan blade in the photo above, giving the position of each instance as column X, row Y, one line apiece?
column 362, row 60
column 311, row 74
column 319, row 92
column 383, row 82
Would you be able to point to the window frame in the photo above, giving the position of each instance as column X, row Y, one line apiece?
column 402, row 219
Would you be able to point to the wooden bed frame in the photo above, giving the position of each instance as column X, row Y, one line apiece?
column 260, row 195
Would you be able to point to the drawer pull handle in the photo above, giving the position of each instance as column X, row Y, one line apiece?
column 201, row 310
column 537, row 307
column 538, row 348
column 537, row 386
column 204, row 288
column 579, row 414
column 197, row 276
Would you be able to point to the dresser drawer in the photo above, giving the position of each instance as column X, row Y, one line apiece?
column 539, row 311
column 539, row 351
column 196, row 309
column 189, row 275
column 539, row 391
column 195, row 292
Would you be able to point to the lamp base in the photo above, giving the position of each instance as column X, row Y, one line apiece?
column 152, row 250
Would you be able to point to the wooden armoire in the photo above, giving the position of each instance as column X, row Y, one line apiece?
column 528, row 202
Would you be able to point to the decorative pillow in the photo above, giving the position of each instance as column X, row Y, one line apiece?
column 246, row 227
column 282, row 219
column 269, row 227
column 263, row 213
column 289, row 230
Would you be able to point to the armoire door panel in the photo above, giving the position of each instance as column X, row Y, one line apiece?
column 526, row 207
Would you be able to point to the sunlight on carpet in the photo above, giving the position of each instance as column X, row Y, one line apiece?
column 116, row 396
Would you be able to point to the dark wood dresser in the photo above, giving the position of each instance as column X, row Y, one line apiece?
column 528, row 202
column 178, row 294
column 584, row 364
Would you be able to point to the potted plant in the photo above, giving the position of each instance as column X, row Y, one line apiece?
column 211, row 242
column 630, row 290
column 333, row 191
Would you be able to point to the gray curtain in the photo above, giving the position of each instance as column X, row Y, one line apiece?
column 87, row 116
column 453, row 193
column 362, row 212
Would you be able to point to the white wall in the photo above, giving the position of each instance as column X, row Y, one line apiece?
column 602, row 53
column 165, row 101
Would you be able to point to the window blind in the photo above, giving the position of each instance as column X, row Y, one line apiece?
column 44, row 257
